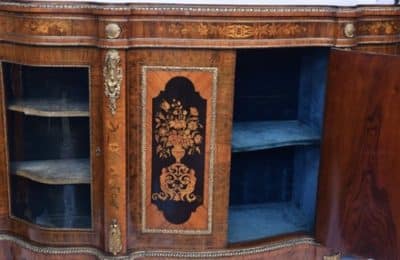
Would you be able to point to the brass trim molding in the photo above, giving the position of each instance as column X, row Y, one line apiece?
column 112, row 73
column 336, row 256
column 159, row 253
column 198, row 8
column 213, row 70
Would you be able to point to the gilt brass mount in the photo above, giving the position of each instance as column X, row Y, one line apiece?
column 112, row 73
column 336, row 256
column 113, row 31
column 349, row 30
column 114, row 238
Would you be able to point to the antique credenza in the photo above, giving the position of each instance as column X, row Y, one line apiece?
column 193, row 131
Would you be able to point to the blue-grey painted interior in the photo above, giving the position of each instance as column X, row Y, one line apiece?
column 275, row 172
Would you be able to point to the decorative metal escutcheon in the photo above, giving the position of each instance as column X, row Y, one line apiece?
column 336, row 256
column 349, row 30
column 115, row 240
column 113, row 31
column 112, row 73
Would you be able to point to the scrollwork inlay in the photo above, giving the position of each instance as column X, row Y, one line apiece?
column 177, row 133
column 112, row 78
column 235, row 31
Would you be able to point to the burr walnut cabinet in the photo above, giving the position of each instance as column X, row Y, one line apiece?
column 199, row 131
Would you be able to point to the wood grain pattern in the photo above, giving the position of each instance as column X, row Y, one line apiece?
column 115, row 199
column 12, row 251
column 358, row 210
column 57, row 57
column 195, row 26
column 224, row 61
column 4, row 203
column 156, row 80
column 190, row 36
column 302, row 248
column 392, row 49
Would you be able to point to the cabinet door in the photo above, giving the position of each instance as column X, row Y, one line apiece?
column 359, row 187
column 179, row 156
column 51, row 184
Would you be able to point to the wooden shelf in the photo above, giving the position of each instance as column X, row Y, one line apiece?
column 252, row 136
column 257, row 221
column 50, row 108
column 59, row 221
column 69, row 171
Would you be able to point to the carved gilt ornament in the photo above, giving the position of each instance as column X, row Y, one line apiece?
column 349, row 30
column 336, row 256
column 113, row 31
column 112, row 73
column 115, row 240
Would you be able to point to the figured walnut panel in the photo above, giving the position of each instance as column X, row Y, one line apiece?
column 10, row 250
column 301, row 248
column 299, row 252
column 114, row 110
column 206, row 227
column 196, row 26
column 393, row 49
column 359, row 196
column 180, row 104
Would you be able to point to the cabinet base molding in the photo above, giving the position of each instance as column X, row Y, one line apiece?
column 97, row 254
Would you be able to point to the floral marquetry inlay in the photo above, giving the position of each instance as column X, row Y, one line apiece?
column 379, row 27
column 179, row 121
column 177, row 133
column 47, row 27
column 235, row 31
column 177, row 128
column 178, row 145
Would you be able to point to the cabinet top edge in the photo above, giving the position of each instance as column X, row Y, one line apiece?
column 197, row 7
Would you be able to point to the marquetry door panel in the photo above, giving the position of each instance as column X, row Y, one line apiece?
column 179, row 156
column 64, row 152
column 359, row 195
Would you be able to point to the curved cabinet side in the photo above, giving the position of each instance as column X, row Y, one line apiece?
column 58, row 57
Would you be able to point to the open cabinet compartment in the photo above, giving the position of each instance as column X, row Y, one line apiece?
column 278, row 112
column 47, row 111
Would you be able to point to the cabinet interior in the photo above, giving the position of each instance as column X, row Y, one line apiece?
column 48, row 136
column 278, row 112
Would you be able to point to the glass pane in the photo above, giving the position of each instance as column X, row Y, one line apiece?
column 49, row 144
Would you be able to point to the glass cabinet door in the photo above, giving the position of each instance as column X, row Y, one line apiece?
column 47, row 111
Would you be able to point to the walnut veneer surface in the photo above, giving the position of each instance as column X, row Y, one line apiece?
column 165, row 38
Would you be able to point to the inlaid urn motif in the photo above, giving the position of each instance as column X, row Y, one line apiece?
column 177, row 132
column 178, row 150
